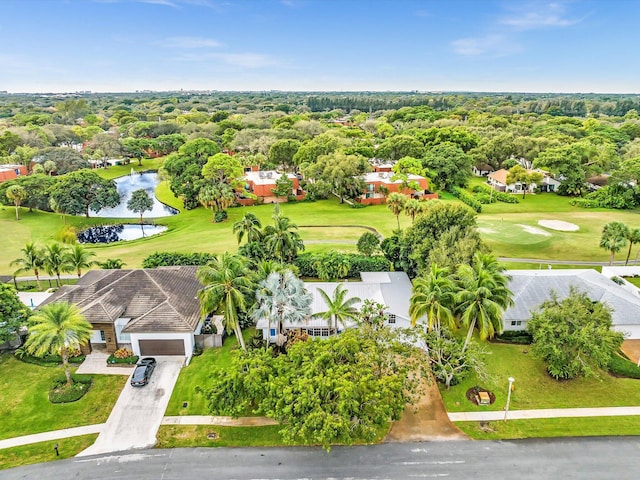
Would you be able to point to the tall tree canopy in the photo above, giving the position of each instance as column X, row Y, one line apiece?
column 78, row 192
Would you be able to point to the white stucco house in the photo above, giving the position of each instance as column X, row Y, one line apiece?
column 498, row 180
column 531, row 288
column 150, row 311
column 392, row 289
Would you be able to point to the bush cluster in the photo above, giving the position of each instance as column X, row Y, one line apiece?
column 496, row 195
column 170, row 259
column 608, row 197
column 123, row 356
column 60, row 393
column 621, row 367
column 467, row 198
column 307, row 263
column 518, row 337
column 75, row 357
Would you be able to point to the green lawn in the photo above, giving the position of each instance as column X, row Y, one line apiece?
column 177, row 436
column 44, row 452
column 122, row 170
column 197, row 373
column 552, row 427
column 534, row 389
column 25, row 406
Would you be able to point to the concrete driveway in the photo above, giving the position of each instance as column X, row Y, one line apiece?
column 136, row 416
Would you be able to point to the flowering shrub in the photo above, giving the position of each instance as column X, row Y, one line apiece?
column 123, row 353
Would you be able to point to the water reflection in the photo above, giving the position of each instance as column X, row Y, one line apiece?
column 116, row 233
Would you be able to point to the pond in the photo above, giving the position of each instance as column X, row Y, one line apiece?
column 126, row 186
column 116, row 233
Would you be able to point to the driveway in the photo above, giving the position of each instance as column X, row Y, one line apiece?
column 136, row 416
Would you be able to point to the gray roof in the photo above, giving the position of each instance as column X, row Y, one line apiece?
column 533, row 287
column 156, row 300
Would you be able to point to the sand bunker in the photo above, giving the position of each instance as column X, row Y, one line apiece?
column 533, row 230
column 486, row 230
column 559, row 225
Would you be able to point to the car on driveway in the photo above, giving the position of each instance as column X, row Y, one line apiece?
column 142, row 373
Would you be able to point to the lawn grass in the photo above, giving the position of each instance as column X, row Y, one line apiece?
column 122, row 170
column 534, row 388
column 25, row 406
column 552, row 427
column 197, row 373
column 178, row 436
column 44, row 452
column 633, row 280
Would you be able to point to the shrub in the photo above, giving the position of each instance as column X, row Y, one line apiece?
column 122, row 356
column 60, row 393
column 197, row 350
column 47, row 360
column 466, row 197
column 496, row 195
column 307, row 263
column 220, row 216
column 608, row 197
column 168, row 259
column 123, row 353
column 621, row 367
column 518, row 337
column 484, row 199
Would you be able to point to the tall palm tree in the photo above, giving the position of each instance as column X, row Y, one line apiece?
column 396, row 202
column 339, row 308
column 483, row 296
column 282, row 240
column 78, row 257
column 32, row 260
column 434, row 297
column 633, row 238
column 614, row 237
column 57, row 327
column 283, row 299
column 414, row 207
column 250, row 226
column 54, row 259
column 226, row 281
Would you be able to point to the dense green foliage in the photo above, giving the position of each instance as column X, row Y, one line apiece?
column 61, row 393
column 167, row 259
column 13, row 313
column 468, row 199
column 339, row 265
column 574, row 336
column 621, row 367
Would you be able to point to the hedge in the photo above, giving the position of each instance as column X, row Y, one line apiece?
column 127, row 361
column 306, row 263
column 467, row 198
column 170, row 259
column 59, row 392
column 47, row 360
column 621, row 367
column 495, row 195
column 518, row 337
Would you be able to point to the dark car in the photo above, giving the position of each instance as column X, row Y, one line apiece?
column 143, row 371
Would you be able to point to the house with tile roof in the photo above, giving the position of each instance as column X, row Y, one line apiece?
column 150, row 311
column 498, row 180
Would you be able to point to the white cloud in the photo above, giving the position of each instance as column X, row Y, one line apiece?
column 191, row 42
column 491, row 45
column 538, row 15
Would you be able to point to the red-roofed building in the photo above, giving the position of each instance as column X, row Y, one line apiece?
column 9, row 172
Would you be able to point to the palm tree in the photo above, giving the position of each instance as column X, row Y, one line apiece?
column 282, row 240
column 54, row 259
column 614, row 237
column 483, row 296
column 340, row 309
column 250, row 226
column 112, row 264
column 633, row 238
column 78, row 257
column 226, row 281
column 57, row 327
column 282, row 298
column 434, row 297
column 218, row 197
column 396, row 202
column 414, row 207
column 32, row 260
column 17, row 194
column 263, row 268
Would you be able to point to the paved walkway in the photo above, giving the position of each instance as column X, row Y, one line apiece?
column 53, row 435
column 544, row 413
column 96, row 363
column 220, row 421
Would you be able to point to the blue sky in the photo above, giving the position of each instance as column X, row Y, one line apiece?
column 344, row 45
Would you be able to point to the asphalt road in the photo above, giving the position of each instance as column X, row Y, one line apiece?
column 590, row 458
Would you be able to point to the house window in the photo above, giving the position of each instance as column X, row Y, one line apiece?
column 392, row 318
column 516, row 323
column 102, row 337
column 370, row 187
column 17, row 170
column 369, row 195
column 318, row 332
column 272, row 332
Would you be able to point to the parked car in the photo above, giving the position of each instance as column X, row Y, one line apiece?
column 142, row 373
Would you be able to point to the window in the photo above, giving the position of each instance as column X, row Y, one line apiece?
column 370, row 187
column 102, row 337
column 319, row 332
column 272, row 332
column 392, row 318
column 516, row 323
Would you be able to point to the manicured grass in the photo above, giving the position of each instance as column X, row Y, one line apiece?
column 534, row 388
column 44, row 452
column 122, row 170
column 552, row 427
column 197, row 374
column 633, row 280
column 25, row 406
column 175, row 436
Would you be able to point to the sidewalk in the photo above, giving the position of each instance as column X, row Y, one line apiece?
column 53, row 435
column 544, row 413
column 220, row 421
